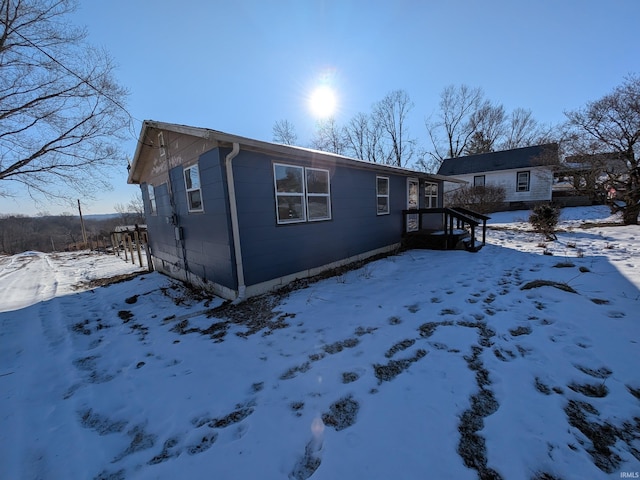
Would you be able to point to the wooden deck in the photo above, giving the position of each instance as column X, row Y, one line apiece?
column 443, row 229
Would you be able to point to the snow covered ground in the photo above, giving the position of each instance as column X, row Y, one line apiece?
column 520, row 361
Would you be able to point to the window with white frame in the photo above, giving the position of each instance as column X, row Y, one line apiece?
column 478, row 181
column 318, row 194
column 382, row 194
column 302, row 194
column 522, row 181
column 193, row 187
column 152, row 199
column 430, row 195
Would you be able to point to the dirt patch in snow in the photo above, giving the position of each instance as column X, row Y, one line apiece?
column 140, row 440
column 309, row 462
column 255, row 314
column 597, row 390
column 337, row 347
column 398, row 347
column 602, row 372
column 472, row 446
column 169, row 450
column 102, row 424
column 102, row 282
column 389, row 371
column 343, row 413
column 204, row 444
column 548, row 283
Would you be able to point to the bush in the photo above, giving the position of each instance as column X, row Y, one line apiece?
column 544, row 220
column 489, row 198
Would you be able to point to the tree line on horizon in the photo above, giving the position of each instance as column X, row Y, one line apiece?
column 57, row 233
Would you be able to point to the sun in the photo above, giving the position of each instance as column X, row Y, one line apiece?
column 323, row 102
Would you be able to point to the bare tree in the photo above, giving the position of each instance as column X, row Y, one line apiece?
column 133, row 212
column 364, row 139
column 457, row 106
column 15, row 233
column 611, row 126
column 329, row 137
column 522, row 130
column 488, row 125
column 482, row 199
column 391, row 113
column 61, row 111
column 426, row 162
column 284, row 132
column 469, row 124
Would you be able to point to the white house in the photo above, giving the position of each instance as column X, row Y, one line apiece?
column 525, row 173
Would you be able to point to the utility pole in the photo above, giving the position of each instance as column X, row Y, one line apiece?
column 84, row 232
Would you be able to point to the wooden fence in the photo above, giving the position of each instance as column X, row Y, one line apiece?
column 132, row 241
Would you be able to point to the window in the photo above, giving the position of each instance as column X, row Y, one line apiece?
column 301, row 194
column 194, row 192
column 478, row 181
column 430, row 195
column 522, row 182
column 152, row 199
column 318, row 201
column 382, row 193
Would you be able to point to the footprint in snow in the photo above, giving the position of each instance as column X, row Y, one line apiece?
column 203, row 444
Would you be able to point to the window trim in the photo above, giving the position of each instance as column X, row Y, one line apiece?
column 151, row 193
column 303, row 194
column 161, row 145
column 428, row 198
column 193, row 189
column 478, row 177
column 379, row 196
column 300, row 194
column 528, row 186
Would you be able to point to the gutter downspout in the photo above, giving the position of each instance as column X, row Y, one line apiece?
column 235, row 229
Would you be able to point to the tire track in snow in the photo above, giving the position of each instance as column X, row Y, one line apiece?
column 33, row 280
column 47, row 340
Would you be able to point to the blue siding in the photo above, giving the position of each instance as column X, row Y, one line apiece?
column 161, row 235
column 270, row 250
column 207, row 248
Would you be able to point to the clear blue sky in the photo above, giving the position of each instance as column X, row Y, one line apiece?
column 239, row 66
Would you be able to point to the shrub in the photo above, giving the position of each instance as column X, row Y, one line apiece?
column 544, row 220
column 489, row 198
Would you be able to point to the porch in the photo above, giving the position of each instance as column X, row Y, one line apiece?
column 444, row 229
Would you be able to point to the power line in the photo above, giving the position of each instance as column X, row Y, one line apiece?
column 83, row 80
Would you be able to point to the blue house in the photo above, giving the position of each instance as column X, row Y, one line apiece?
column 241, row 217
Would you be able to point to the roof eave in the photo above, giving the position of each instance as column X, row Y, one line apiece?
column 227, row 139
column 136, row 156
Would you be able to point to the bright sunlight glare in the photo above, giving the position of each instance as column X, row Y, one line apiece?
column 323, row 102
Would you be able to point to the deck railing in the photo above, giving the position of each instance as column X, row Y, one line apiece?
column 445, row 219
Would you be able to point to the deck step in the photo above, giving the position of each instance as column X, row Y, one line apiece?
column 472, row 248
column 437, row 240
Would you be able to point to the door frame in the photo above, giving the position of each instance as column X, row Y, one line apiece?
column 412, row 218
